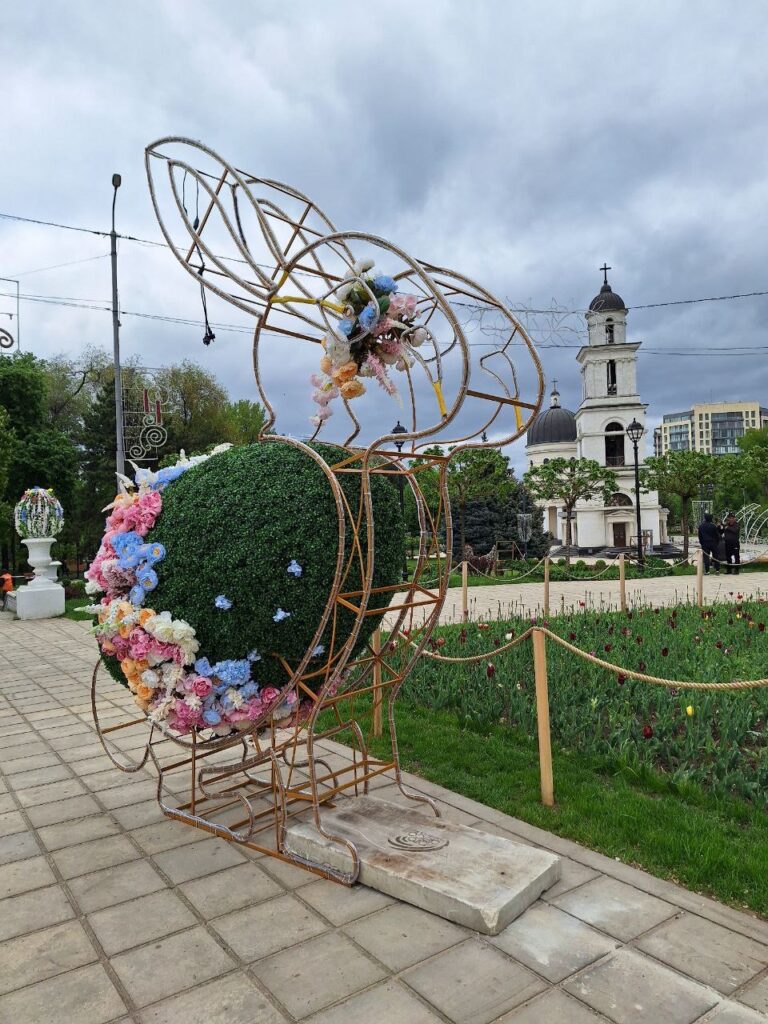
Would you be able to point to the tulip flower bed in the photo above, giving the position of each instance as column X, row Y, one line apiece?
column 716, row 739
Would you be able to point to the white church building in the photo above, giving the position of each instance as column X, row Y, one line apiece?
column 597, row 430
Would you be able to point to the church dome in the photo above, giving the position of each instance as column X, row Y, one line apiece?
column 555, row 426
column 607, row 299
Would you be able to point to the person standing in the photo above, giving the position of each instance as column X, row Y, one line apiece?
column 732, row 548
column 709, row 538
column 6, row 585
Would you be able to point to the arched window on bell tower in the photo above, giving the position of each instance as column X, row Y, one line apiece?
column 609, row 331
column 611, row 376
column 614, row 444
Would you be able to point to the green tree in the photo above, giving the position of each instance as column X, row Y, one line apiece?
column 683, row 474
column 243, row 422
column 7, row 449
column 194, row 409
column 475, row 474
column 23, row 392
column 570, row 481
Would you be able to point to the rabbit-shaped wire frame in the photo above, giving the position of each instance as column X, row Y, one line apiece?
column 286, row 264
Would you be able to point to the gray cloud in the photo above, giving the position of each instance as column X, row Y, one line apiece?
column 521, row 143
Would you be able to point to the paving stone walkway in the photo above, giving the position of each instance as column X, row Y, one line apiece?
column 111, row 913
column 507, row 600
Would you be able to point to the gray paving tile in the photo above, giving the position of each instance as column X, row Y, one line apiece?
column 25, row 764
column 82, row 996
column 198, row 859
column 225, row 891
column 36, row 796
column 340, row 903
column 21, row 876
column 329, row 966
column 98, row 853
column 146, row 812
column 756, row 995
column 553, row 1007
column 39, row 955
column 231, row 1000
column 732, row 1013
column 11, row 822
column 63, row 810
column 171, row 965
column 166, row 835
column 267, row 927
column 400, row 936
column 631, row 989
column 139, row 921
column 115, row 885
column 552, row 943
column 41, row 776
column 615, row 907
column 288, row 875
column 32, row 910
column 707, row 952
column 6, row 803
column 572, row 874
column 72, row 833
column 132, row 792
column 473, row 983
column 387, row 1003
column 18, row 846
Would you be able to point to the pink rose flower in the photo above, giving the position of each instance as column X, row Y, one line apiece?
column 269, row 694
column 201, row 686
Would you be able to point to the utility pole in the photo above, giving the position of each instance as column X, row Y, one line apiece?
column 120, row 460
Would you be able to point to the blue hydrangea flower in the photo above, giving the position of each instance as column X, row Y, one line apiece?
column 369, row 316
column 233, row 672
column 280, row 615
column 136, row 595
column 203, row 667
column 211, row 717
column 384, row 283
column 294, row 569
column 124, row 542
column 129, row 559
column 254, row 655
column 249, row 690
column 346, row 326
column 147, row 578
column 223, row 603
column 320, row 649
column 152, row 552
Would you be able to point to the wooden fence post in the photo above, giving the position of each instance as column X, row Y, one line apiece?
column 376, row 645
column 542, row 718
column 546, row 586
column 700, row 578
column 464, row 594
column 622, row 582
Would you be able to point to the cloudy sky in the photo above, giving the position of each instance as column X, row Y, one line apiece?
column 521, row 142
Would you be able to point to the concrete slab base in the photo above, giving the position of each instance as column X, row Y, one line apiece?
column 476, row 879
column 40, row 602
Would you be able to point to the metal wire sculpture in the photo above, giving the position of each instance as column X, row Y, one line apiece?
column 286, row 261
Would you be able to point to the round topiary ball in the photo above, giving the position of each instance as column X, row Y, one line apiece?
column 251, row 541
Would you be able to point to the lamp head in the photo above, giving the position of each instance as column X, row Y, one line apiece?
column 635, row 431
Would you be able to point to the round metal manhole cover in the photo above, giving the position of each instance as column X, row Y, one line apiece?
column 416, row 840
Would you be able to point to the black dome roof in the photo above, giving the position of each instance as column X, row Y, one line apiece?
column 554, row 426
column 606, row 300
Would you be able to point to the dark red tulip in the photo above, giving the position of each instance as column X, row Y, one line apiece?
column 490, row 670
column 719, row 645
column 463, row 636
column 761, row 627
column 647, row 732
column 664, row 652
column 571, row 636
column 638, row 639
column 621, row 679
column 641, row 666
column 608, row 648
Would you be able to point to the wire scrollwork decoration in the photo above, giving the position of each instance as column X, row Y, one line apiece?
column 7, row 340
column 144, row 433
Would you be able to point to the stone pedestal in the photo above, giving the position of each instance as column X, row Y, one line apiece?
column 478, row 880
column 40, row 602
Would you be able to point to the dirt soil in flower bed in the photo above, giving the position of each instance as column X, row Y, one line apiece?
column 715, row 740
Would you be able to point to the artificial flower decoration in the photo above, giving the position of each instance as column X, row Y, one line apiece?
column 294, row 569
column 377, row 331
column 223, row 603
column 280, row 615
column 38, row 513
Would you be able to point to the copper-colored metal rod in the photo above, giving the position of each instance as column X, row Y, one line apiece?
column 207, row 213
column 124, row 725
column 500, row 398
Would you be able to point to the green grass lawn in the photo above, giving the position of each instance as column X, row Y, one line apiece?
column 717, row 846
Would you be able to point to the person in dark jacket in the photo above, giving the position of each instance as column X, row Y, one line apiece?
column 709, row 538
column 731, row 537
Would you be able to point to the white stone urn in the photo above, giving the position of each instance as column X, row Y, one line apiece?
column 39, row 557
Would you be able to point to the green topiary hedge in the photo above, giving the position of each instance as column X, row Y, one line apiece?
column 232, row 525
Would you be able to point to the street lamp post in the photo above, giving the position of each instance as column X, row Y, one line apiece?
column 400, row 429
column 635, row 432
column 119, row 433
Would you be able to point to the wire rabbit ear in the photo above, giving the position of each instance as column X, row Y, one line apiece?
column 242, row 230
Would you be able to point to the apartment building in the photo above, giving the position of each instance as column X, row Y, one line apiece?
column 714, row 428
